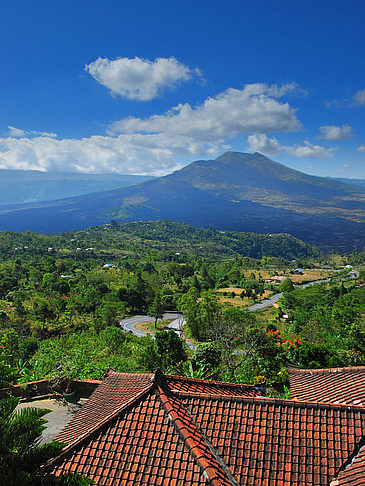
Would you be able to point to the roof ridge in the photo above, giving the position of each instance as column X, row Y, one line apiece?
column 99, row 425
column 211, row 472
column 211, row 382
column 260, row 399
column 323, row 371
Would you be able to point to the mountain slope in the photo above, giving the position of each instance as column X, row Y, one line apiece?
column 241, row 192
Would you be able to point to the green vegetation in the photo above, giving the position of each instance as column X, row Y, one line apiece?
column 21, row 456
column 61, row 297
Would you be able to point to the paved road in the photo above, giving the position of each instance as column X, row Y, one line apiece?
column 265, row 303
column 274, row 298
column 128, row 324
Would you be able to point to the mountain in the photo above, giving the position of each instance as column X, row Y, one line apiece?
column 28, row 186
column 356, row 182
column 236, row 191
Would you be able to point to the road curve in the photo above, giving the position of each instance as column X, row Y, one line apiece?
column 128, row 325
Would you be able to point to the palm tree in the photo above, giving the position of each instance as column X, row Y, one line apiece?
column 21, row 456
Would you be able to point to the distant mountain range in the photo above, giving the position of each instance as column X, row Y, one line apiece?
column 29, row 186
column 356, row 182
column 236, row 191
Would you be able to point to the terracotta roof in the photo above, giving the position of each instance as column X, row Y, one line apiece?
column 114, row 392
column 119, row 388
column 219, row 388
column 170, row 434
column 332, row 385
column 279, row 442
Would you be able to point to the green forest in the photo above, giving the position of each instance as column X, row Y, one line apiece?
column 62, row 297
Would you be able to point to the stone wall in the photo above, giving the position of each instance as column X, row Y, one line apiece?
column 41, row 388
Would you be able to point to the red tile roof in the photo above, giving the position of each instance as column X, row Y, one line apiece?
column 333, row 385
column 161, row 431
column 219, row 388
column 114, row 392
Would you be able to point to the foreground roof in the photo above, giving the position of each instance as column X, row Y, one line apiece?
column 163, row 430
column 332, row 385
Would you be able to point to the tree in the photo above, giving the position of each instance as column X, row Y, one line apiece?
column 239, row 337
column 21, row 456
column 166, row 351
column 199, row 311
column 156, row 310
column 287, row 285
column 170, row 347
column 207, row 355
column 110, row 311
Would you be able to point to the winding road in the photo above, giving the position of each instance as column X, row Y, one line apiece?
column 128, row 324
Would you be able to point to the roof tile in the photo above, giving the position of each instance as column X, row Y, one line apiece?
column 344, row 386
column 157, row 429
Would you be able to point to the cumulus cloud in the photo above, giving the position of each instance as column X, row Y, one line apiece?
column 259, row 142
column 361, row 148
column 310, row 151
column 359, row 98
column 255, row 108
column 18, row 133
column 271, row 146
column 125, row 154
column 333, row 132
column 152, row 145
column 139, row 79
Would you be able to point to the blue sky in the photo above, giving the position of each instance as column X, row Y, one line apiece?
column 146, row 87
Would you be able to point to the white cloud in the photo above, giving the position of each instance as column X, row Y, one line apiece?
column 271, row 146
column 361, row 148
column 359, row 98
column 310, row 151
column 233, row 112
column 333, row 132
column 139, row 79
column 259, row 142
column 125, row 154
column 152, row 145
column 18, row 133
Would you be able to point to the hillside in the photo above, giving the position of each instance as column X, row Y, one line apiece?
column 169, row 240
column 240, row 192
column 28, row 186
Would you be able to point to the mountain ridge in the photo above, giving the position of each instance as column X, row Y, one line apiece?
column 238, row 192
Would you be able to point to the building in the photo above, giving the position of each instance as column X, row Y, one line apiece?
column 159, row 429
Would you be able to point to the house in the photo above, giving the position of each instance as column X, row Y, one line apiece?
column 160, row 429
column 297, row 271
